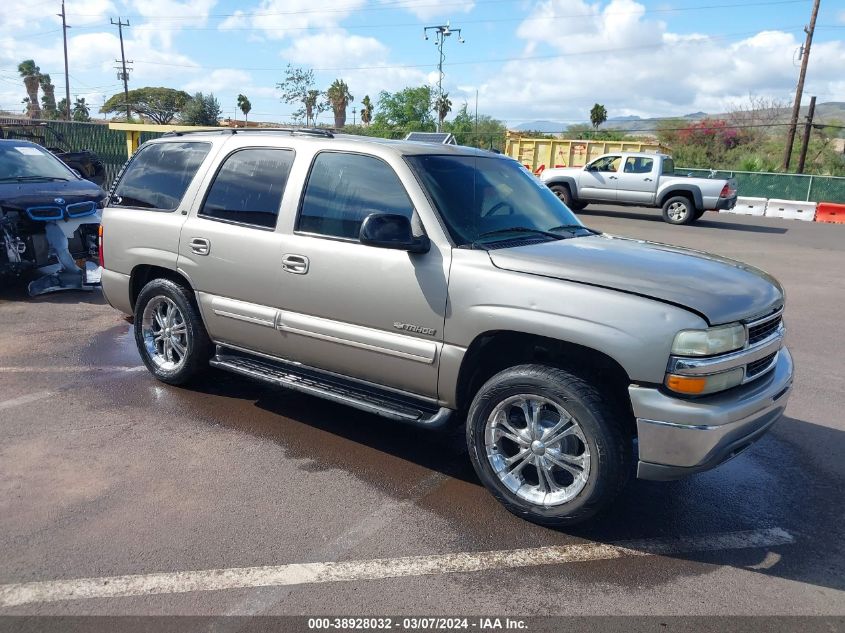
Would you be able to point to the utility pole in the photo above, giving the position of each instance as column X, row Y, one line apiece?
column 805, row 142
column 799, row 90
column 65, row 27
column 123, row 74
column 476, row 118
column 441, row 32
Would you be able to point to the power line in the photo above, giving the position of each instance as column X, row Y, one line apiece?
column 402, row 4
column 457, row 63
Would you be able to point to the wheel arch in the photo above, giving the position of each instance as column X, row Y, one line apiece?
column 693, row 193
column 565, row 181
column 142, row 274
column 493, row 351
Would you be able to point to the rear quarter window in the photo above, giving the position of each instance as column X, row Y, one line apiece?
column 158, row 175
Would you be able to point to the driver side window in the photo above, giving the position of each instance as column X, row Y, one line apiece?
column 343, row 189
column 606, row 164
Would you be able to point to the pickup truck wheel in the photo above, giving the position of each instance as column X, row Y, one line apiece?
column 562, row 192
column 679, row 210
column 169, row 332
column 547, row 444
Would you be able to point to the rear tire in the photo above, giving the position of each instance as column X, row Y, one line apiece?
column 575, row 455
column 169, row 332
column 679, row 210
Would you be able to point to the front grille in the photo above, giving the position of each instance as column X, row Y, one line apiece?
column 759, row 366
column 763, row 330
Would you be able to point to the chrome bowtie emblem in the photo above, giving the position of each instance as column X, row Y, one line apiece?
column 59, row 200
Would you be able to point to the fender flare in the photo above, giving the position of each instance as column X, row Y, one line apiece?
column 565, row 180
column 671, row 190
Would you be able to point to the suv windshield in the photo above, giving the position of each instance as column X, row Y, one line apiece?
column 29, row 162
column 488, row 199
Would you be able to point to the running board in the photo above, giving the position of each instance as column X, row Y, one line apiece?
column 388, row 404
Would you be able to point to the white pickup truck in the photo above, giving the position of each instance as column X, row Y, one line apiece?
column 643, row 180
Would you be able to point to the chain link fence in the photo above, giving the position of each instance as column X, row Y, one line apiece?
column 108, row 145
column 779, row 186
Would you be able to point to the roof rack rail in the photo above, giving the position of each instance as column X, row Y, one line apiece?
column 307, row 131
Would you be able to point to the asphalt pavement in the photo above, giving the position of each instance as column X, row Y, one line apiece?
column 106, row 473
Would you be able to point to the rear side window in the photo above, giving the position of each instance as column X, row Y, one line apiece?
column 158, row 175
column 343, row 189
column 248, row 188
column 638, row 165
column 668, row 166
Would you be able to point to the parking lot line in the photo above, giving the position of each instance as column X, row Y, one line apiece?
column 26, row 399
column 310, row 573
column 69, row 369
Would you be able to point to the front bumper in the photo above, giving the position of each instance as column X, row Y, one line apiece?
column 679, row 437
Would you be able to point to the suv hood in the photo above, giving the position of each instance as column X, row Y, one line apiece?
column 720, row 289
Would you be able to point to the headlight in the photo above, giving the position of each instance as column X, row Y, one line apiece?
column 716, row 340
column 702, row 385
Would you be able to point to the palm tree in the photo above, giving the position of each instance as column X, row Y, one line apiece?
column 443, row 106
column 598, row 115
column 31, row 80
column 81, row 111
column 366, row 110
column 245, row 106
column 48, row 99
column 339, row 97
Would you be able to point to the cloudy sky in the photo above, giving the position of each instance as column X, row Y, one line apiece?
column 528, row 59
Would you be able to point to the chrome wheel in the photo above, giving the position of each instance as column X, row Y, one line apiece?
column 537, row 450
column 677, row 211
column 165, row 333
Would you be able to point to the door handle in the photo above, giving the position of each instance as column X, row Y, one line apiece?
column 296, row 264
column 647, row 179
column 200, row 246
column 613, row 178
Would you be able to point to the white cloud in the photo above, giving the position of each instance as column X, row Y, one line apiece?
column 633, row 65
column 429, row 9
column 277, row 19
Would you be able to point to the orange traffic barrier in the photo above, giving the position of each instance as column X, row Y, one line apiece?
column 540, row 169
column 830, row 212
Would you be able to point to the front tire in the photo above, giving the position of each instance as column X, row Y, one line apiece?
column 562, row 192
column 679, row 210
column 547, row 444
column 169, row 332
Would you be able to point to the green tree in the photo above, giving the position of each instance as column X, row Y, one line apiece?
column 339, row 98
column 31, row 75
column 159, row 105
column 366, row 110
column 409, row 109
column 598, row 115
column 483, row 131
column 81, row 112
column 297, row 87
column 442, row 106
column 245, row 106
column 202, row 110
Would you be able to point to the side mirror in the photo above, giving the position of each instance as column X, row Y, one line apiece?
column 589, row 168
column 390, row 230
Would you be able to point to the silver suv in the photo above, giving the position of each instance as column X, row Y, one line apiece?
column 438, row 285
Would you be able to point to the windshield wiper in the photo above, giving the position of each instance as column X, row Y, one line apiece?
column 30, row 178
column 573, row 227
column 515, row 229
